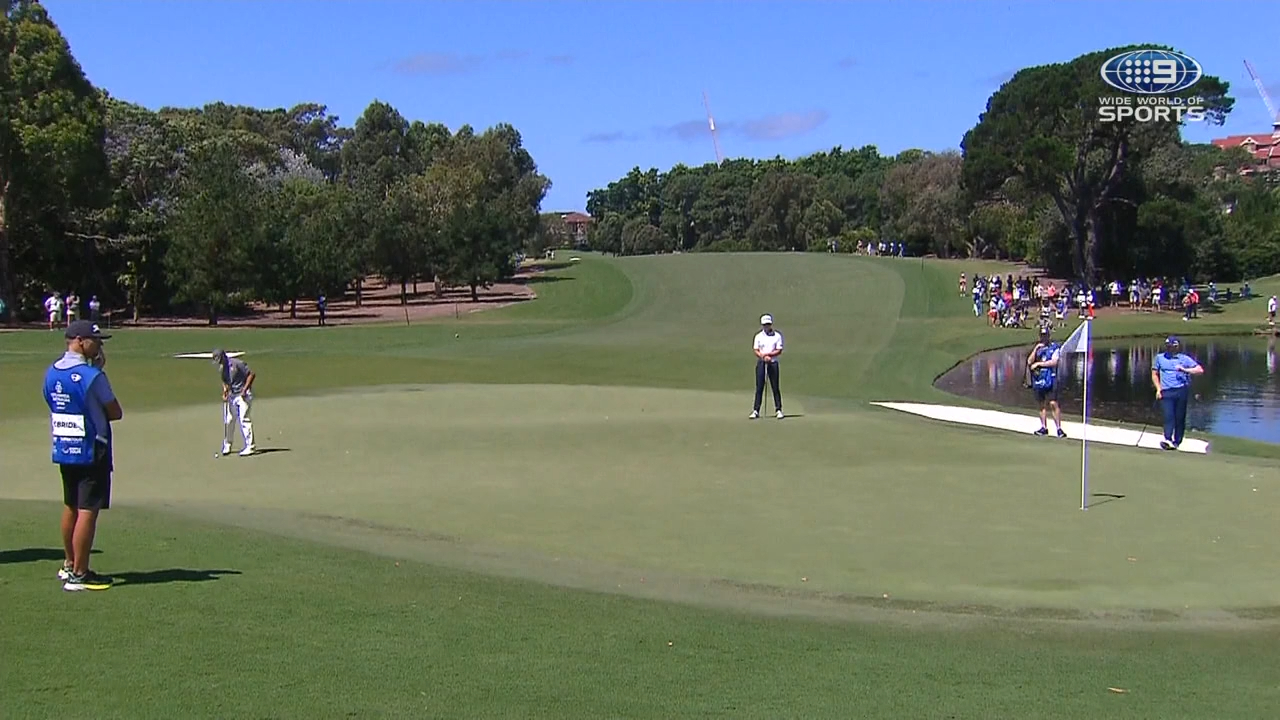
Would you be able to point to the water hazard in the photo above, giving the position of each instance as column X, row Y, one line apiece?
column 1239, row 394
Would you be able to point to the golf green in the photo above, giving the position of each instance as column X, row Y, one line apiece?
column 596, row 439
column 678, row 485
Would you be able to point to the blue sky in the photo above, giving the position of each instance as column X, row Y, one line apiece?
column 597, row 88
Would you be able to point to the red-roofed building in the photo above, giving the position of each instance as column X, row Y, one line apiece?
column 578, row 223
column 1264, row 147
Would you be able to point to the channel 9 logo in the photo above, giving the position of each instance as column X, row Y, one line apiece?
column 1150, row 78
column 1151, row 72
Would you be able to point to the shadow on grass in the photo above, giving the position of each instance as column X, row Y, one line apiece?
column 26, row 555
column 1153, row 615
column 1107, row 497
column 172, row 575
column 549, row 265
column 539, row 279
column 268, row 451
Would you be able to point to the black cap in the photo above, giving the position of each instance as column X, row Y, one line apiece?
column 85, row 329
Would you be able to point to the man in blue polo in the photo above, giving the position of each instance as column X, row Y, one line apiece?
column 82, row 407
column 1171, row 374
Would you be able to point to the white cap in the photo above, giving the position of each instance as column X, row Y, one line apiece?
column 766, row 319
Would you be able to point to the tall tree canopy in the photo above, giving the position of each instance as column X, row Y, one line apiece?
column 1043, row 128
column 51, row 152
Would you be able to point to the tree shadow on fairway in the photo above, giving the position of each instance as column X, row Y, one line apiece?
column 26, row 555
column 172, row 575
column 539, row 279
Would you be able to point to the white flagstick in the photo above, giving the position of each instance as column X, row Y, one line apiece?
column 1078, row 342
column 1084, row 434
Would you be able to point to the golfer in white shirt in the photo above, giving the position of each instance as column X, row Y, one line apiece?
column 768, row 346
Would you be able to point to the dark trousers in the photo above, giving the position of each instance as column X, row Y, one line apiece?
column 1173, row 402
column 770, row 370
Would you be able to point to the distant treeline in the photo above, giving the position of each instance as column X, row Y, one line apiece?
column 1041, row 179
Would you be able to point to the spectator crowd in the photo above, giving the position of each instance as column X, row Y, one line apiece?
column 1022, row 302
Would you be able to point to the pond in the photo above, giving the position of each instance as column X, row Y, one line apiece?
column 1239, row 394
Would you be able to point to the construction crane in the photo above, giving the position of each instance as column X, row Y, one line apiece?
column 711, row 123
column 1266, row 98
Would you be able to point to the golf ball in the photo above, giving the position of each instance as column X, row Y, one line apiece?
column 216, row 456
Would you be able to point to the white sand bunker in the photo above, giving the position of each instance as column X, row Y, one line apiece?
column 1014, row 422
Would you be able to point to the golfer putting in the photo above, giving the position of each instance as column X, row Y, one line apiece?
column 768, row 346
column 237, row 400
column 1171, row 374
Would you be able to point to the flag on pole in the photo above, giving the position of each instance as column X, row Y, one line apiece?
column 1078, row 342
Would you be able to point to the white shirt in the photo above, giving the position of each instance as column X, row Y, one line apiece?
column 1271, row 304
column 768, row 343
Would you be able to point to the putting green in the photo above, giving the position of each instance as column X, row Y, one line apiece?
column 603, row 486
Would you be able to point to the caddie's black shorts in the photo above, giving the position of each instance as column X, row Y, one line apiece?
column 88, row 487
column 1047, row 394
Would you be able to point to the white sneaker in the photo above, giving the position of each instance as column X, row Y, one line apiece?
column 248, row 451
column 780, row 415
column 754, row 414
column 226, row 449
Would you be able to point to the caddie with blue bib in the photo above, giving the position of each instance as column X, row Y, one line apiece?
column 82, row 407
column 1042, row 364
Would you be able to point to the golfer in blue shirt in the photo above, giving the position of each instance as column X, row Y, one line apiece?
column 1171, row 374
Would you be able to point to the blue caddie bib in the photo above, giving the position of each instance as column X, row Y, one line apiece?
column 1045, row 378
column 71, row 425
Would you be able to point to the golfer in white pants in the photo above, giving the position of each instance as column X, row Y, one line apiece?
column 237, row 400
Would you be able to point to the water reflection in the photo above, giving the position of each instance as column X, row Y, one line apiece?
column 1239, row 394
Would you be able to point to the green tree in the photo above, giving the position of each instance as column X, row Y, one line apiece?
column 552, row 233
column 1253, row 230
column 215, row 228
column 605, row 234
column 377, row 155
column 51, row 156
column 146, row 155
column 778, row 201
column 641, row 238
column 922, row 202
column 504, row 211
column 822, row 223
column 1043, row 128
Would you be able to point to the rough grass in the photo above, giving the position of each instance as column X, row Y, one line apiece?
column 216, row 622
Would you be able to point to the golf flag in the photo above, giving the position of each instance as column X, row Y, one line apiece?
column 1078, row 342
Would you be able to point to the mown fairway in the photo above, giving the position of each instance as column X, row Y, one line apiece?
column 512, row 515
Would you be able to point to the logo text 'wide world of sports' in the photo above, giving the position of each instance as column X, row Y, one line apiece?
column 1151, row 72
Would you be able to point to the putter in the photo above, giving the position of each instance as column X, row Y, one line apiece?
column 226, row 414
column 1155, row 408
